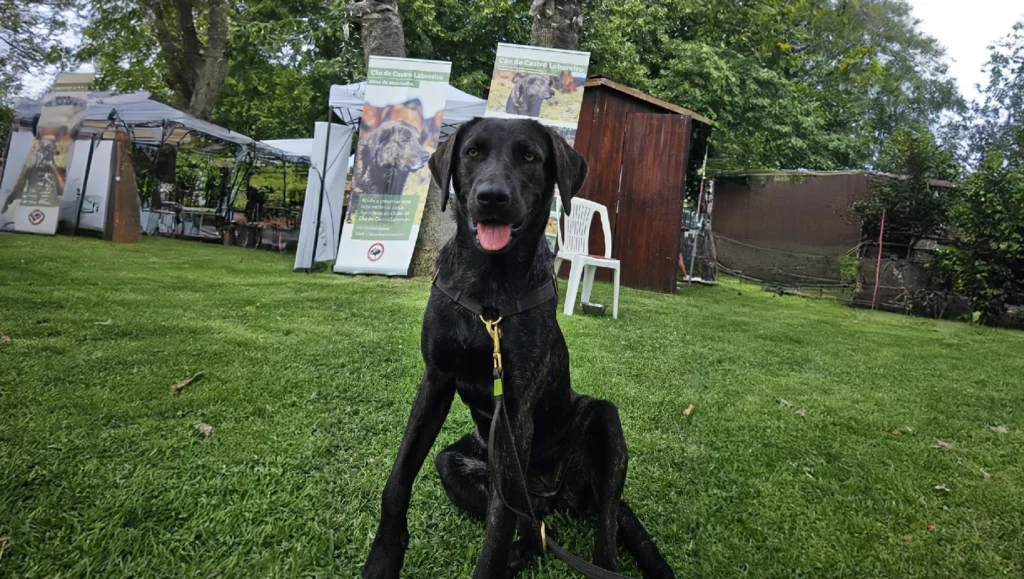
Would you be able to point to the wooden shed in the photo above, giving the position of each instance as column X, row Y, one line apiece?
column 639, row 151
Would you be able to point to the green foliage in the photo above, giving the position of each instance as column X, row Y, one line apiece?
column 987, row 263
column 807, row 84
column 848, row 269
column 914, row 207
column 1001, row 110
column 33, row 38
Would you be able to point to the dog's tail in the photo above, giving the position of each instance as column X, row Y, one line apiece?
column 641, row 546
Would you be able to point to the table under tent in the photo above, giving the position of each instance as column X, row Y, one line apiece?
column 327, row 191
column 188, row 173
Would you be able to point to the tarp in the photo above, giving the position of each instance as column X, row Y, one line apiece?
column 347, row 102
column 151, row 123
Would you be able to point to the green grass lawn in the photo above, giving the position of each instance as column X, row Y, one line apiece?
column 308, row 382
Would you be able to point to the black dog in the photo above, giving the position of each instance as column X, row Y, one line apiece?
column 572, row 446
column 529, row 91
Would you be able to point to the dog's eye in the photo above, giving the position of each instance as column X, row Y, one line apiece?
column 472, row 152
column 530, row 157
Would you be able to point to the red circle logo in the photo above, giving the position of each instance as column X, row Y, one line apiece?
column 375, row 252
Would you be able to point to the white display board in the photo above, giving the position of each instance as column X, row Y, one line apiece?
column 400, row 126
column 18, row 148
column 94, row 207
column 332, row 198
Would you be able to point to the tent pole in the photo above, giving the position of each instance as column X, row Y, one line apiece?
column 85, row 183
column 320, row 197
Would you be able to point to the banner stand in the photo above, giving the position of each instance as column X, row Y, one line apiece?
column 320, row 196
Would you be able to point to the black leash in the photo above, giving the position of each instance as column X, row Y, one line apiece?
column 528, row 301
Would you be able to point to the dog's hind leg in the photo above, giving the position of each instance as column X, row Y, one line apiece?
column 609, row 458
column 641, row 546
column 463, row 471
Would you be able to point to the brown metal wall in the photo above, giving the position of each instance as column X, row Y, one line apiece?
column 599, row 139
column 779, row 225
column 651, row 200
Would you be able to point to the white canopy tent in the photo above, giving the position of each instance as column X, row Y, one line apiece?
column 152, row 123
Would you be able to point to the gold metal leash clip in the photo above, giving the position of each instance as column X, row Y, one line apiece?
column 495, row 333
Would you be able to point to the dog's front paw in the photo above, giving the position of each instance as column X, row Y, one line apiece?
column 385, row 560
column 523, row 552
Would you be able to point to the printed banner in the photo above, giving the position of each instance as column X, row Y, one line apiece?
column 43, row 176
column 545, row 84
column 399, row 130
column 18, row 146
column 332, row 198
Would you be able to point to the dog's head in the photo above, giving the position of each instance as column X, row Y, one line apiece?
column 395, row 145
column 531, row 90
column 504, row 173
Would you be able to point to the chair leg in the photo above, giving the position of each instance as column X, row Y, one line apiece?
column 558, row 264
column 575, row 273
column 615, row 299
column 588, row 281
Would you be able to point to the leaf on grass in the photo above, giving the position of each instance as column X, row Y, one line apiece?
column 942, row 488
column 809, row 474
column 999, row 429
column 942, row 445
column 177, row 387
column 801, row 413
column 906, row 540
column 984, row 473
column 785, row 403
column 5, row 339
column 205, row 429
column 688, row 411
column 897, row 433
column 931, row 526
column 106, row 323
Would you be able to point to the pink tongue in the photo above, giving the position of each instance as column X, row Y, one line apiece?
column 493, row 236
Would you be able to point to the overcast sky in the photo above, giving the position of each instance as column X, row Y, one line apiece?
column 966, row 28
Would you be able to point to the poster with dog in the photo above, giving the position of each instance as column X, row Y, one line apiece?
column 398, row 131
column 545, row 84
column 40, row 185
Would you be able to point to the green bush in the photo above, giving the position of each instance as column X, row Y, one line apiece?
column 986, row 265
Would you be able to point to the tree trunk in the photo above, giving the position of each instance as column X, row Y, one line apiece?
column 556, row 23
column 196, row 74
column 381, row 27
column 210, row 77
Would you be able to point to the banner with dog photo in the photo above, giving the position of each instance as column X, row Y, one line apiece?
column 398, row 131
column 37, row 192
column 544, row 84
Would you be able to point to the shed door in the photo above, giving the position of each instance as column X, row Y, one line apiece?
column 650, row 200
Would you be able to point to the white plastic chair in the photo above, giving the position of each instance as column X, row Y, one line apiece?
column 574, row 246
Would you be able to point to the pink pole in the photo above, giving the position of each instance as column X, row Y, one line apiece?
column 878, row 265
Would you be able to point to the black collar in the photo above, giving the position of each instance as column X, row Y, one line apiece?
column 527, row 301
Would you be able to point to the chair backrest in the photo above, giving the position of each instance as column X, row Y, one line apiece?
column 576, row 237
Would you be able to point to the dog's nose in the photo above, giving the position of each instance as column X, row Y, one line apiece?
column 493, row 195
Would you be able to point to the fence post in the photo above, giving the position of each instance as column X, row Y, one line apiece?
column 878, row 264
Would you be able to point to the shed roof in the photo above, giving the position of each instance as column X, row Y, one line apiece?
column 599, row 80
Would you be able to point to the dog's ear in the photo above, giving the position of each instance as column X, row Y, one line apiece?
column 570, row 169
column 442, row 162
